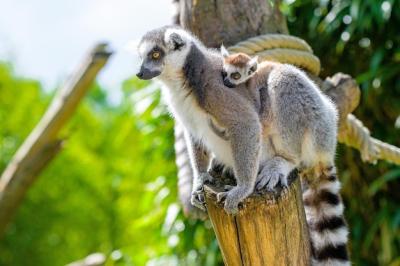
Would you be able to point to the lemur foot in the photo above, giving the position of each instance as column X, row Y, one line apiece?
column 269, row 179
column 198, row 199
column 231, row 199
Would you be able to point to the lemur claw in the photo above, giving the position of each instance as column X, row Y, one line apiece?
column 221, row 196
column 270, row 179
column 198, row 199
column 231, row 205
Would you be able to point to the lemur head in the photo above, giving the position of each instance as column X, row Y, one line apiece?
column 238, row 68
column 163, row 48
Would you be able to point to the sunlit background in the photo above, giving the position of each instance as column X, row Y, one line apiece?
column 46, row 39
column 113, row 188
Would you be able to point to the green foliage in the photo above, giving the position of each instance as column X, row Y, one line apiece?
column 362, row 38
column 112, row 189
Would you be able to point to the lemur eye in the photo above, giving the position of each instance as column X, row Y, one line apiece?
column 235, row 75
column 253, row 68
column 155, row 55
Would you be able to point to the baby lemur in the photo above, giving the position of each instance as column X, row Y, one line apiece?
column 294, row 126
column 322, row 203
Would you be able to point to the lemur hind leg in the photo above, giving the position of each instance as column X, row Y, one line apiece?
column 276, row 170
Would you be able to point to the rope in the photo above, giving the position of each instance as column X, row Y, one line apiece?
column 292, row 50
column 280, row 48
column 301, row 59
column 356, row 135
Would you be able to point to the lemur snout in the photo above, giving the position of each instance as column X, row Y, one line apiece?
column 146, row 73
column 228, row 83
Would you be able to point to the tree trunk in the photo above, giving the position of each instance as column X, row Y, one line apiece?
column 230, row 21
column 265, row 232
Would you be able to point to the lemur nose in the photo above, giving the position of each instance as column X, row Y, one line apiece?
column 140, row 74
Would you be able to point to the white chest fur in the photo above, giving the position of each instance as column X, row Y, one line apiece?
column 196, row 121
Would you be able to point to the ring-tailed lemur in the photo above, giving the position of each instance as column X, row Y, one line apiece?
column 297, row 126
column 206, row 108
column 322, row 202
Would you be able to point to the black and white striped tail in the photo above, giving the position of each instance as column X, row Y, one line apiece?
column 327, row 226
column 185, row 173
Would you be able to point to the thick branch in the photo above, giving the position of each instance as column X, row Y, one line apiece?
column 344, row 92
column 41, row 145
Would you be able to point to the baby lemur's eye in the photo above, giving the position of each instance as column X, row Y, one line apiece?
column 155, row 55
column 253, row 68
column 235, row 75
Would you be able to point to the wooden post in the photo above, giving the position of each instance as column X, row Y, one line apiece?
column 42, row 144
column 269, row 229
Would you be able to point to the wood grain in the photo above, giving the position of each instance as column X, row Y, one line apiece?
column 269, row 229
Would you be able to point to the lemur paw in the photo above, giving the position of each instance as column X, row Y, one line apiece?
column 231, row 205
column 269, row 179
column 198, row 199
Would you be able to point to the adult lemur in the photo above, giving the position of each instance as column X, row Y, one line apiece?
column 294, row 126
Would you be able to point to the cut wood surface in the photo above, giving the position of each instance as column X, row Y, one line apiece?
column 42, row 144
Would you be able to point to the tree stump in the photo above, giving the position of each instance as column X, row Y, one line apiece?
column 270, row 228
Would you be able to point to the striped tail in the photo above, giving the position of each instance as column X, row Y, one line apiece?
column 327, row 226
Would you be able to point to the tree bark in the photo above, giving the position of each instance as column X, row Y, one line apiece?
column 265, row 232
column 42, row 144
column 230, row 21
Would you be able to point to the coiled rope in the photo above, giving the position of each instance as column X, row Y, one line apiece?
column 292, row 50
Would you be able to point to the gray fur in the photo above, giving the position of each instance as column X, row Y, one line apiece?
column 284, row 134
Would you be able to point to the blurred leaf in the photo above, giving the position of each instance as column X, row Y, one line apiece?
column 383, row 180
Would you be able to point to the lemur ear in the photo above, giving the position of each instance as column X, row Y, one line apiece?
column 253, row 63
column 224, row 52
column 175, row 41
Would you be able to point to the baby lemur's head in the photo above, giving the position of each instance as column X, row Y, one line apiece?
column 237, row 68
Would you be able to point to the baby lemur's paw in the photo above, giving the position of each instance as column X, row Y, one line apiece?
column 270, row 178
